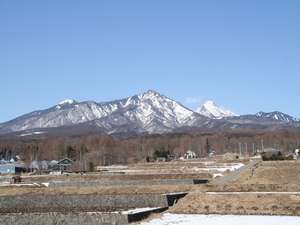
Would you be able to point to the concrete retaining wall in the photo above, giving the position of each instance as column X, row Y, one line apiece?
column 122, row 183
column 109, row 176
column 64, row 219
column 82, row 203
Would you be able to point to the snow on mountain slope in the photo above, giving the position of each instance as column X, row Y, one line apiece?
column 213, row 111
column 149, row 111
column 279, row 116
column 67, row 101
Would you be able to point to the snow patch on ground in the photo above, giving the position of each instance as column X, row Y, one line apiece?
column 253, row 192
column 45, row 184
column 215, row 175
column 8, row 184
column 138, row 210
column 179, row 219
column 221, row 168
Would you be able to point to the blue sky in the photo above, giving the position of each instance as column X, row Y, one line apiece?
column 245, row 55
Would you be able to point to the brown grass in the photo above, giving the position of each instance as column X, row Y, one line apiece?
column 196, row 203
column 279, row 176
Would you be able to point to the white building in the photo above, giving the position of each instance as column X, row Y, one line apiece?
column 190, row 155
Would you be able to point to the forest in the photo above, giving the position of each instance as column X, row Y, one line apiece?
column 108, row 150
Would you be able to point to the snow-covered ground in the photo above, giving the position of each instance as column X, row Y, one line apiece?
column 178, row 219
column 138, row 210
column 216, row 169
column 220, row 168
column 254, row 192
column 8, row 184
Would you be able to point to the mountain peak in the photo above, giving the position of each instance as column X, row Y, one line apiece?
column 212, row 110
column 147, row 112
column 150, row 112
column 210, row 103
column 67, row 101
column 150, row 94
column 150, row 91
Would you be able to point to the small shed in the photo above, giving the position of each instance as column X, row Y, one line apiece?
column 64, row 164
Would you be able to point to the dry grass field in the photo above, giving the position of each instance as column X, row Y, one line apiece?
column 155, row 189
column 265, row 188
column 244, row 191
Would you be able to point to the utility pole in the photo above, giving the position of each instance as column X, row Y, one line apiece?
column 207, row 146
column 80, row 158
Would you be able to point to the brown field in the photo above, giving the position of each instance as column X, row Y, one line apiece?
column 105, row 176
column 275, row 176
column 159, row 189
column 261, row 204
column 257, row 176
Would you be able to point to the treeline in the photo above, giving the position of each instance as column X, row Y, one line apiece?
column 106, row 150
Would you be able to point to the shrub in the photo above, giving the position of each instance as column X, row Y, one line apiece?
column 161, row 153
column 91, row 167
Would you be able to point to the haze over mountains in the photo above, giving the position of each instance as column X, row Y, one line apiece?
column 149, row 112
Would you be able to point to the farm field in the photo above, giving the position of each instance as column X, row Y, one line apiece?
column 185, row 190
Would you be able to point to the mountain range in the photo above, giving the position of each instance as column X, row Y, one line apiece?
column 149, row 113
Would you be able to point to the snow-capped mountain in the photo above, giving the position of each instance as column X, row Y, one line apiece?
column 148, row 112
column 213, row 111
column 265, row 118
column 279, row 116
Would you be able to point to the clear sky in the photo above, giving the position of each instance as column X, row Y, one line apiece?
column 244, row 55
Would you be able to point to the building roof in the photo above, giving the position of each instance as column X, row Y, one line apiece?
column 65, row 162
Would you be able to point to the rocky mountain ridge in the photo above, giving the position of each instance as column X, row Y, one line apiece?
column 149, row 112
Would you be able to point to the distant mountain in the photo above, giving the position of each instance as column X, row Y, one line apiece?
column 279, row 116
column 149, row 112
column 213, row 111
